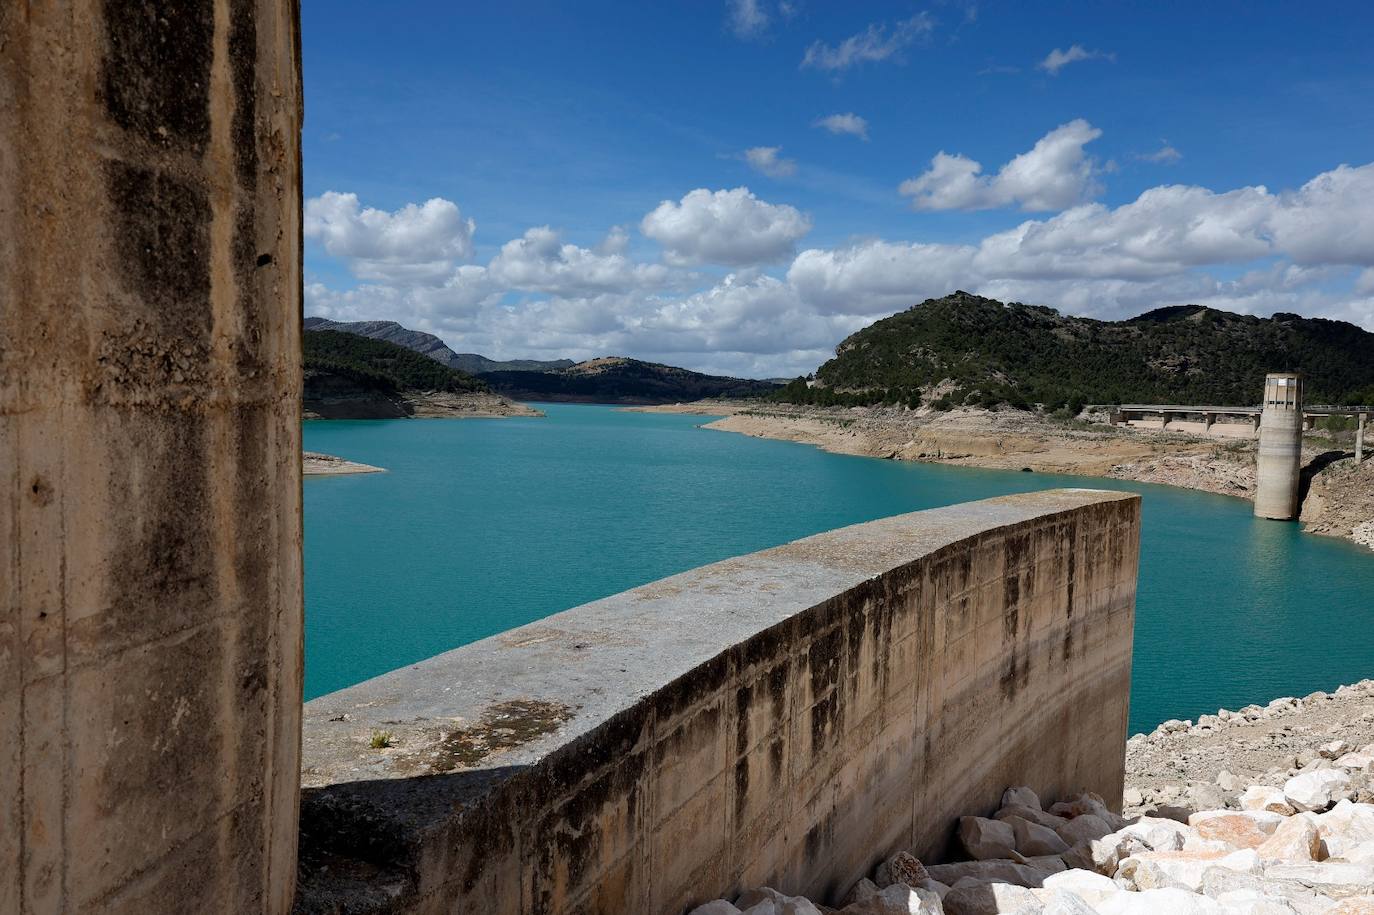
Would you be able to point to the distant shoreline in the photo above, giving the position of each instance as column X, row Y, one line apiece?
column 1340, row 501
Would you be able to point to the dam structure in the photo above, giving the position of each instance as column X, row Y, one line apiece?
column 1278, row 466
column 787, row 718
column 779, row 717
column 1279, row 421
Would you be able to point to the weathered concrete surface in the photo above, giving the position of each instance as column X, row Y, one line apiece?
column 150, row 587
column 779, row 719
column 1278, row 464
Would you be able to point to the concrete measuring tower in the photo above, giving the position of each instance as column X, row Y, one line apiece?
column 1280, row 448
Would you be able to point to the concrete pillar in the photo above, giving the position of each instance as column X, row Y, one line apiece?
column 150, row 521
column 1359, row 439
column 1208, row 419
column 1279, row 463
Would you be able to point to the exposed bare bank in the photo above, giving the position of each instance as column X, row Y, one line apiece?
column 1339, row 502
column 315, row 463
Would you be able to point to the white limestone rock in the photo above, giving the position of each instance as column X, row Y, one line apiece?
column 1316, row 789
column 1217, row 881
column 1359, row 854
column 716, row 907
column 1157, row 833
column 986, row 839
column 1158, row 902
column 1159, row 870
column 1091, row 887
column 1296, row 839
column 1338, row 880
column 1357, row 760
column 1253, row 902
column 1334, row 749
column 1263, row 797
column 1345, row 826
column 1060, row 902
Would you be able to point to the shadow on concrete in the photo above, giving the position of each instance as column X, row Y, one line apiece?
column 360, row 842
column 1314, row 467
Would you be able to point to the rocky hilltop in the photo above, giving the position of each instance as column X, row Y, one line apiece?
column 1268, row 810
column 967, row 349
column 353, row 377
column 617, row 379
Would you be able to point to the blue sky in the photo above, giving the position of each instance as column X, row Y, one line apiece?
column 659, row 180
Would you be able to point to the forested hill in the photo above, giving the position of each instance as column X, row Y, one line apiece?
column 619, row 380
column 992, row 353
column 379, row 364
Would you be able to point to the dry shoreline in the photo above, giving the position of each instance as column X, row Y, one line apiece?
column 315, row 463
column 1340, row 500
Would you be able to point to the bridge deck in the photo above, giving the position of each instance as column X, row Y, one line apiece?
column 1311, row 410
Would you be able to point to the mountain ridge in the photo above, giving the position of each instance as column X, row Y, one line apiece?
column 622, row 380
column 429, row 345
column 968, row 349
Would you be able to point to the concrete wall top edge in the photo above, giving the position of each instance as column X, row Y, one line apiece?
column 560, row 677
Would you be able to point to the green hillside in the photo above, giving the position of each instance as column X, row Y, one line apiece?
column 1027, row 354
column 376, row 363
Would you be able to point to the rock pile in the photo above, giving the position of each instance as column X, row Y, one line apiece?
column 1207, row 763
column 1303, row 847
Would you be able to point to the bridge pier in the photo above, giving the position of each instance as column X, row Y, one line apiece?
column 1280, row 448
column 1359, row 439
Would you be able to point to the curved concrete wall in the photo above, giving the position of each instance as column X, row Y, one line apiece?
column 150, row 588
column 772, row 719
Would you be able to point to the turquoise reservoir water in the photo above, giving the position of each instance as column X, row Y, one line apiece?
column 482, row 525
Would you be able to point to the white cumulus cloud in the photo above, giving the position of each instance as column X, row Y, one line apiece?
column 540, row 261
column 1308, row 249
column 416, row 241
column 1057, row 60
column 725, row 227
column 1053, row 174
column 848, row 123
column 876, row 43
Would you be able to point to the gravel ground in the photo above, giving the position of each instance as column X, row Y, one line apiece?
column 1204, row 764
